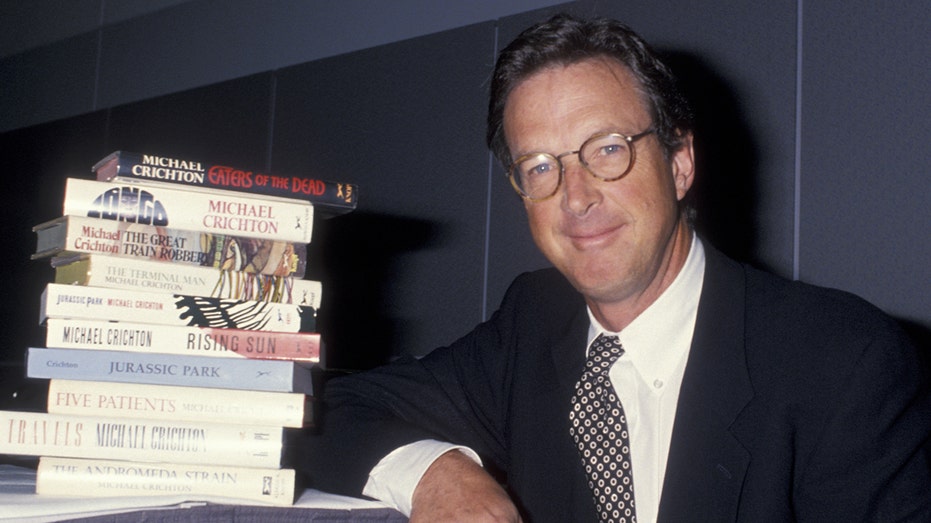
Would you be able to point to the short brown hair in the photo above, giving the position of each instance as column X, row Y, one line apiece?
column 565, row 40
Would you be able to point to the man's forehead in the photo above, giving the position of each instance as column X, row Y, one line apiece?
column 595, row 95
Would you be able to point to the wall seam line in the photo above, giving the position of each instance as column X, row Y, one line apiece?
column 272, row 107
column 95, row 102
column 796, row 226
column 488, row 188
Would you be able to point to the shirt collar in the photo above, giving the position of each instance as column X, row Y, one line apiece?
column 659, row 338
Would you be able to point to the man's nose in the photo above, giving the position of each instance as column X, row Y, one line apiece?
column 581, row 193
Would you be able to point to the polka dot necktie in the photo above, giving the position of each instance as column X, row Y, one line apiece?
column 599, row 429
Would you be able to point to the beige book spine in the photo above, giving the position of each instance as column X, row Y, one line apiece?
column 208, row 405
column 69, row 477
column 147, row 440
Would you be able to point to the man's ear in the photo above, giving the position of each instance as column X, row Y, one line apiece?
column 682, row 164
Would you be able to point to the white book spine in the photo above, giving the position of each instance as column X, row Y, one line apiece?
column 187, row 341
column 69, row 477
column 162, row 308
column 167, row 206
column 208, row 405
column 117, row 273
column 69, row 236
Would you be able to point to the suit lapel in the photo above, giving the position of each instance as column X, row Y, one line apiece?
column 568, row 361
column 706, row 463
column 568, row 350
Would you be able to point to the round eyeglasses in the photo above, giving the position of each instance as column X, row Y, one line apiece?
column 606, row 156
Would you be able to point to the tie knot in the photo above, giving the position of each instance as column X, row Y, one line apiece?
column 605, row 350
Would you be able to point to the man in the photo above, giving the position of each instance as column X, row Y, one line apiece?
column 735, row 396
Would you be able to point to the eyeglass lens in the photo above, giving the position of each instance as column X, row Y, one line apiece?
column 537, row 175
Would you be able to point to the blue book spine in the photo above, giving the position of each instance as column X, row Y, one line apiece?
column 168, row 369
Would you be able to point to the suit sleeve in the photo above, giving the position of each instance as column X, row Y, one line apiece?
column 870, row 463
column 455, row 394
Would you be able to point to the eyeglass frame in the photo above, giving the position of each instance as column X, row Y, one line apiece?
column 562, row 168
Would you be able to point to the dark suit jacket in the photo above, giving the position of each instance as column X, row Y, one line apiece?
column 797, row 403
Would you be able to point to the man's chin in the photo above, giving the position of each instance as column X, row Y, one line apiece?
column 599, row 290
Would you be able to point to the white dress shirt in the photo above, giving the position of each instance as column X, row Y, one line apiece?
column 646, row 378
column 648, row 375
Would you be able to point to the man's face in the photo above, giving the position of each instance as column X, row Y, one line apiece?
column 615, row 241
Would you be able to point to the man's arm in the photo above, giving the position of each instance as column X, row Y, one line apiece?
column 456, row 488
column 369, row 416
column 460, row 394
column 396, row 476
column 454, row 394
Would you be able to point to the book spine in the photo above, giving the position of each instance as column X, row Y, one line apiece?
column 143, row 338
column 119, row 273
column 41, row 434
column 71, row 477
column 160, row 308
column 207, row 405
column 175, row 207
column 71, row 235
column 168, row 369
column 330, row 197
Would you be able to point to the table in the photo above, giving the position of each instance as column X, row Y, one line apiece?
column 19, row 503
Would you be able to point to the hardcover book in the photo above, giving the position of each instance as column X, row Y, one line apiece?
column 169, row 369
column 41, row 434
column 331, row 198
column 70, row 235
column 179, row 208
column 162, row 308
column 69, row 477
column 176, row 339
column 97, row 270
column 206, row 405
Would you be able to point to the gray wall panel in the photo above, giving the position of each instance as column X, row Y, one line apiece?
column 48, row 82
column 865, row 160
column 738, row 59
column 227, row 122
column 403, row 121
column 35, row 23
column 154, row 48
column 34, row 166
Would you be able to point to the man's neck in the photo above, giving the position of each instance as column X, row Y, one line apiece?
column 617, row 315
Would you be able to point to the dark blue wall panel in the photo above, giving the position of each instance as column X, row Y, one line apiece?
column 404, row 272
column 866, row 166
column 34, row 165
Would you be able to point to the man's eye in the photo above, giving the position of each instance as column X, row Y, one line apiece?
column 610, row 149
column 540, row 169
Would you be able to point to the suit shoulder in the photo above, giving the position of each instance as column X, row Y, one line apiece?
column 795, row 299
column 544, row 286
column 542, row 297
column 814, row 316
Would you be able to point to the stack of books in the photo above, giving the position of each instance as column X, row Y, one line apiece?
column 180, row 331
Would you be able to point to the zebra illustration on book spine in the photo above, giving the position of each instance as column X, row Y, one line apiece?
column 204, row 311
